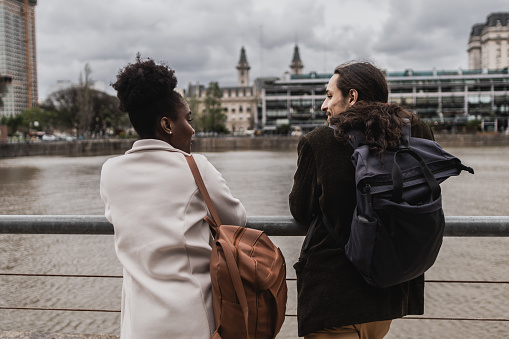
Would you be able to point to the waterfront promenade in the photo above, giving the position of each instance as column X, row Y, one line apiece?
column 212, row 144
column 473, row 266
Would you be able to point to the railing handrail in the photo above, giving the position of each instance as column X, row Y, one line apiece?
column 455, row 226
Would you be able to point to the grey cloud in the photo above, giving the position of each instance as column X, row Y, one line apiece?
column 427, row 34
column 201, row 39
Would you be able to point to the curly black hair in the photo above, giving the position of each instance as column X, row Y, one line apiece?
column 146, row 92
column 382, row 123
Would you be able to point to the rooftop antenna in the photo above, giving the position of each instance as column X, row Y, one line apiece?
column 324, row 59
column 261, row 51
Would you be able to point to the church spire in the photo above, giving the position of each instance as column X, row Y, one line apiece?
column 243, row 69
column 296, row 66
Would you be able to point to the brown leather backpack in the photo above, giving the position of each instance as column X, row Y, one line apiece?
column 248, row 274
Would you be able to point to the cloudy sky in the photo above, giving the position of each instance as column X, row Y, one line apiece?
column 201, row 39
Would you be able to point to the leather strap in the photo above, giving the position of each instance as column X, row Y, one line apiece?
column 236, row 281
column 227, row 248
column 201, row 185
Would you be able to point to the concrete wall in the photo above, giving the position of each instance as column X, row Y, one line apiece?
column 244, row 143
column 106, row 147
column 66, row 148
column 472, row 140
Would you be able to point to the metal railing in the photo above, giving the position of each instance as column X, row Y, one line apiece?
column 465, row 226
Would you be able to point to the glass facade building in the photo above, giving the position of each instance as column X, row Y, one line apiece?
column 440, row 96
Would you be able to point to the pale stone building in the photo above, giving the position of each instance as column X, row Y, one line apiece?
column 243, row 104
column 488, row 46
column 239, row 102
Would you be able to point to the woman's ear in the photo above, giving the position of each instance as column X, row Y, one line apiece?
column 166, row 125
column 353, row 95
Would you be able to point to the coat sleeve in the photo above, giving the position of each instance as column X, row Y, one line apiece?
column 107, row 208
column 230, row 209
column 303, row 198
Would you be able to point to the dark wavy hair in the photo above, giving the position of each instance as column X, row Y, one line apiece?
column 381, row 123
column 146, row 92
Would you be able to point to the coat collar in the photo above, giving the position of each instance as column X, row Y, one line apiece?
column 153, row 145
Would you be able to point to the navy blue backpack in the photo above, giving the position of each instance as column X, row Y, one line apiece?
column 398, row 224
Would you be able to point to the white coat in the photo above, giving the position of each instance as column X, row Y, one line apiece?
column 157, row 211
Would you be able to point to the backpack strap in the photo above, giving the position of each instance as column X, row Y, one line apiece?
column 215, row 222
column 397, row 176
column 236, row 280
column 356, row 139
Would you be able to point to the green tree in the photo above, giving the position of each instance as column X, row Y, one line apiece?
column 12, row 123
column 63, row 107
column 106, row 115
column 194, row 107
column 64, row 104
column 212, row 119
column 30, row 120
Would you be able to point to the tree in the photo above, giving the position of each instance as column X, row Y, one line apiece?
column 77, row 109
column 194, row 107
column 86, row 111
column 64, row 103
column 12, row 123
column 106, row 115
column 84, row 102
column 64, row 108
column 212, row 119
column 30, row 120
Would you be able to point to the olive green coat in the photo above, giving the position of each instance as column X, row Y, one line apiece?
column 330, row 291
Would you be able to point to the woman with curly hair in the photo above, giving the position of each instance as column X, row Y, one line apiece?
column 334, row 301
column 157, row 211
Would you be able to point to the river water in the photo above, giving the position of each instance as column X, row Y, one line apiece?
column 262, row 180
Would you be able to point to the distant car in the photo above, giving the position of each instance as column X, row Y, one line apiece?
column 65, row 137
column 49, row 137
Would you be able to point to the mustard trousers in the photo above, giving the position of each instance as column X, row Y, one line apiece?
column 373, row 330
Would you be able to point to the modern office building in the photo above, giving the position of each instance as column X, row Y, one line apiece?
column 488, row 46
column 294, row 100
column 18, row 64
column 442, row 96
column 452, row 95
